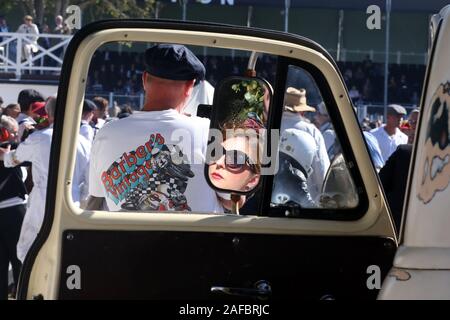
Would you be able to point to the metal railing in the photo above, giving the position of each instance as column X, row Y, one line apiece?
column 12, row 57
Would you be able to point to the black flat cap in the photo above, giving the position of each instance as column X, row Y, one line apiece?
column 173, row 62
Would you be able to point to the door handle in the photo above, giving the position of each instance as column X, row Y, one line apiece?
column 261, row 290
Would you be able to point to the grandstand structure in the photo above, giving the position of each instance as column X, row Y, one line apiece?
column 338, row 26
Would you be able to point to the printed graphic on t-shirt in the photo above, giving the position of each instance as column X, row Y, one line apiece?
column 154, row 176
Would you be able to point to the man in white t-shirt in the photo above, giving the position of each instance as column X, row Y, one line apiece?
column 153, row 160
column 389, row 136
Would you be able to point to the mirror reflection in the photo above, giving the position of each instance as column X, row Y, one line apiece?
column 237, row 168
column 242, row 106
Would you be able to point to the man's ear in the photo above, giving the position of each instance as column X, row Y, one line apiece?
column 144, row 80
column 189, row 86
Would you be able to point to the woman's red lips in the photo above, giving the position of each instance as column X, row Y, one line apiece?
column 216, row 176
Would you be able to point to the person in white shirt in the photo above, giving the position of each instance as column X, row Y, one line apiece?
column 153, row 160
column 86, row 130
column 293, row 117
column 29, row 28
column 389, row 136
column 36, row 149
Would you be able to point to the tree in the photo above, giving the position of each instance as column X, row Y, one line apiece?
column 92, row 9
column 104, row 9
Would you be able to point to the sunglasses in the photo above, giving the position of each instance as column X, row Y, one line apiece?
column 235, row 160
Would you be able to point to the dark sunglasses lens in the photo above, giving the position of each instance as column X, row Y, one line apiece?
column 235, row 159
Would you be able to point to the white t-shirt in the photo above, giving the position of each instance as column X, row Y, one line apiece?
column 152, row 161
column 87, row 131
column 388, row 144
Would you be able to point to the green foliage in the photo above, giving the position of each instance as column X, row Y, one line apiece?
column 253, row 97
column 5, row 7
column 103, row 9
column 92, row 10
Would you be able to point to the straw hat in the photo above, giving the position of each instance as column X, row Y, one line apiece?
column 295, row 100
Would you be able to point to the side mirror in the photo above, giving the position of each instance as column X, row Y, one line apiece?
column 237, row 135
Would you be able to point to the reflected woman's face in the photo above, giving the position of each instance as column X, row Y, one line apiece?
column 235, row 170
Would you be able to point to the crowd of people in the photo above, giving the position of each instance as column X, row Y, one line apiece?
column 384, row 142
column 115, row 172
column 365, row 79
column 25, row 141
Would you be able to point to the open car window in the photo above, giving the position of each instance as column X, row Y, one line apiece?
column 140, row 161
column 151, row 161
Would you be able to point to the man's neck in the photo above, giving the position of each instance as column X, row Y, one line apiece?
column 149, row 106
column 390, row 130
